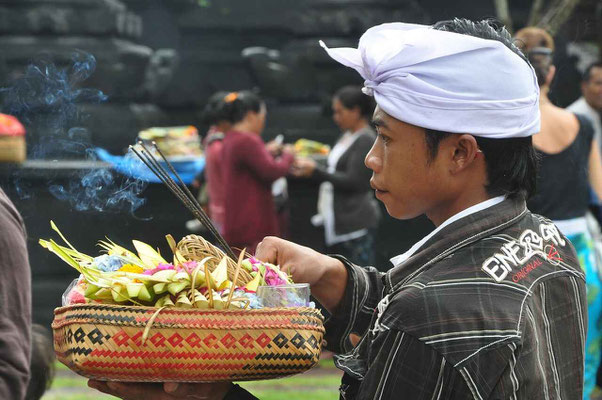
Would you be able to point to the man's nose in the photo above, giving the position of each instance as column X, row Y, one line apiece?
column 373, row 161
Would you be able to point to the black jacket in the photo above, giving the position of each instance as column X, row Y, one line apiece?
column 354, row 205
column 491, row 307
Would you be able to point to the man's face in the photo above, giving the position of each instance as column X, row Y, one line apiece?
column 404, row 178
column 592, row 89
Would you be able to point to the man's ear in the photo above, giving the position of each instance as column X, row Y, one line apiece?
column 464, row 153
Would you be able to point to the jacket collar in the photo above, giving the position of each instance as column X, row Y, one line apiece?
column 456, row 235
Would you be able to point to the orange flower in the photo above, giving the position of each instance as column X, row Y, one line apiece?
column 131, row 268
column 230, row 97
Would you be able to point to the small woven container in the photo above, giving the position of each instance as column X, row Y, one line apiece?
column 105, row 342
column 12, row 149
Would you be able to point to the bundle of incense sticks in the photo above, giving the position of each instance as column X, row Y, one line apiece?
column 179, row 189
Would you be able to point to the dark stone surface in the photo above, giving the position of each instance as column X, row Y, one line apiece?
column 115, row 126
column 120, row 65
column 75, row 17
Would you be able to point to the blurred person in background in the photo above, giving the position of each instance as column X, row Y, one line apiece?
column 590, row 103
column 346, row 205
column 570, row 164
column 15, row 303
column 212, row 174
column 42, row 363
column 249, row 168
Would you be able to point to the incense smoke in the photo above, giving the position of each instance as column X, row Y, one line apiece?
column 46, row 99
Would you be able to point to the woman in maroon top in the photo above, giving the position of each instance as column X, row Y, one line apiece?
column 248, row 170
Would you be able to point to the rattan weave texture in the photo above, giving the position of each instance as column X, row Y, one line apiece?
column 105, row 342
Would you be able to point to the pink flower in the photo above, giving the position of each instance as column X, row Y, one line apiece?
column 75, row 296
column 272, row 278
column 160, row 267
column 189, row 266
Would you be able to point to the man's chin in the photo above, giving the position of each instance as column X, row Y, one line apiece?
column 399, row 213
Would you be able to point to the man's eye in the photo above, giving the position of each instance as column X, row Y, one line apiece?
column 384, row 138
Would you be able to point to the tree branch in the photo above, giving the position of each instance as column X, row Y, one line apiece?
column 535, row 14
column 557, row 15
column 503, row 13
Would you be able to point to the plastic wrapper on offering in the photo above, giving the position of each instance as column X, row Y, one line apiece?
column 74, row 294
column 294, row 295
column 139, row 316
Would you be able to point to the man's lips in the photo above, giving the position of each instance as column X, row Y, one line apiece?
column 378, row 190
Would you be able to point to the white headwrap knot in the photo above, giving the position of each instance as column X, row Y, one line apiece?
column 446, row 81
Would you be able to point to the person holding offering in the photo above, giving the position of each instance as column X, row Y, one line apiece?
column 492, row 303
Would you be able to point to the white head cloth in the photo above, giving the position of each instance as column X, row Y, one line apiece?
column 446, row 81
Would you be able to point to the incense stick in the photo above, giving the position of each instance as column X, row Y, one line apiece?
column 181, row 191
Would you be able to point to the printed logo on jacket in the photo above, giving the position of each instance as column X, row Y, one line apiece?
column 513, row 255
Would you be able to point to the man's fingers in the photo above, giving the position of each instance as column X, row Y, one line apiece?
column 197, row 390
column 99, row 385
column 267, row 250
column 136, row 391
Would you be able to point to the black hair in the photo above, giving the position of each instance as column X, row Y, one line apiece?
column 352, row 96
column 541, row 62
column 511, row 163
column 41, row 364
column 237, row 104
column 212, row 113
column 587, row 74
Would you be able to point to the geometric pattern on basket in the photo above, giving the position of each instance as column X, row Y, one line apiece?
column 105, row 342
column 122, row 339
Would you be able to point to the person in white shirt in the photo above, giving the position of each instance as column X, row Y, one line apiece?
column 590, row 103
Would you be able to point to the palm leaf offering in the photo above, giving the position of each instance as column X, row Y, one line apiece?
column 200, row 275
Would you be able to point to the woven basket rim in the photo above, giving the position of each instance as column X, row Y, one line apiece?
column 168, row 310
column 304, row 318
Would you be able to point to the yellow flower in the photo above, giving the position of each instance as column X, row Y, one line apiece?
column 131, row 268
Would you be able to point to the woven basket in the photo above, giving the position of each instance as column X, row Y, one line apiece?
column 105, row 342
column 12, row 149
column 196, row 248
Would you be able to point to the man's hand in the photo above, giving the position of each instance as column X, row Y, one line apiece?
column 163, row 391
column 327, row 276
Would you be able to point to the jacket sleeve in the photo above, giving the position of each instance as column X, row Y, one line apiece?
column 15, row 305
column 362, row 294
column 406, row 365
column 356, row 177
column 252, row 153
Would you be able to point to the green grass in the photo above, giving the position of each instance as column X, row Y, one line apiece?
column 321, row 384
column 325, row 380
column 297, row 395
column 69, row 382
column 78, row 396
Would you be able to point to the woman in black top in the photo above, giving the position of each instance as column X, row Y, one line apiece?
column 570, row 164
column 346, row 206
